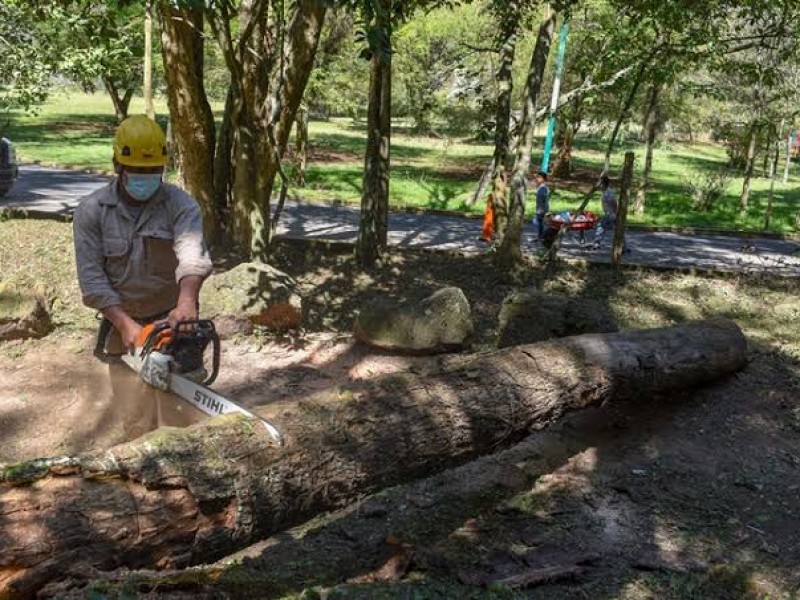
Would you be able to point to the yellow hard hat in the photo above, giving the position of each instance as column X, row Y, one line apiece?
column 140, row 142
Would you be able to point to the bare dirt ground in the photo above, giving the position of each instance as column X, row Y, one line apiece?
column 691, row 496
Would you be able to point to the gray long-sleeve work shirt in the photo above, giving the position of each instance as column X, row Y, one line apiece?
column 137, row 261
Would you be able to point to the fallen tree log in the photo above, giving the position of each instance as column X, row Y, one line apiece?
column 178, row 497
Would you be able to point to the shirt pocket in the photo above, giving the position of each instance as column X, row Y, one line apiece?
column 160, row 253
column 116, row 253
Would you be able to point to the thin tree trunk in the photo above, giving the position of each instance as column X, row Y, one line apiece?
column 223, row 168
column 180, row 497
column 190, row 113
column 373, row 226
column 148, row 60
column 772, row 176
column 563, row 165
column 788, row 159
column 509, row 255
column 502, row 137
column 483, row 183
column 749, row 166
column 270, row 63
column 622, row 209
column 624, row 113
column 121, row 104
column 301, row 147
column 652, row 123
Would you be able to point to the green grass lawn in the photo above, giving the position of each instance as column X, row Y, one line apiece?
column 74, row 129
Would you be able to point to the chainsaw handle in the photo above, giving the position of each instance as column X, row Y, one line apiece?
column 154, row 336
column 160, row 337
column 203, row 328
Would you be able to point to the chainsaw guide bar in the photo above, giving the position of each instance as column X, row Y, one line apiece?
column 155, row 363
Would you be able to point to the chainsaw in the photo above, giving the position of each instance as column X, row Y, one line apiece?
column 172, row 360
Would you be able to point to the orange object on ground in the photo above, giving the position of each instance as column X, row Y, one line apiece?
column 488, row 220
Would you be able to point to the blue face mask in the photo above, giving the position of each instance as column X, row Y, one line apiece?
column 143, row 186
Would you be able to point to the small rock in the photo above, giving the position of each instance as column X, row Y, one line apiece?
column 639, row 472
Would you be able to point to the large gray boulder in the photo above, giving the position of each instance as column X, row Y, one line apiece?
column 24, row 313
column 251, row 294
column 441, row 322
column 529, row 316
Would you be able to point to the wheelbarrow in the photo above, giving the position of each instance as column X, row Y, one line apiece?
column 582, row 222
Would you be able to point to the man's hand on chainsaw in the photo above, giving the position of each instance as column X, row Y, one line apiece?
column 184, row 311
column 130, row 334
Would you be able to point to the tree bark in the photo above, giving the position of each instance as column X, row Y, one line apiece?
column 300, row 147
column 502, row 136
column 179, row 497
column 190, row 113
column 563, row 165
column 223, row 167
column 622, row 210
column 749, row 166
column 269, row 63
column 147, row 87
column 626, row 109
column 509, row 255
column 373, row 225
column 773, row 174
column 121, row 103
column 652, row 124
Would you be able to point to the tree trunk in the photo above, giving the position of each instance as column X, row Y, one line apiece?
column 250, row 155
column 509, row 255
column 749, row 166
column 622, row 210
column 179, row 497
column 502, row 136
column 563, row 165
column 223, row 168
column 301, row 147
column 121, row 103
column 190, row 113
column 652, row 124
column 773, row 174
column 788, row 159
column 624, row 113
column 148, row 60
column 373, row 225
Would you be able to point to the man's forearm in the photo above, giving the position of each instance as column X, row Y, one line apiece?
column 118, row 317
column 189, row 290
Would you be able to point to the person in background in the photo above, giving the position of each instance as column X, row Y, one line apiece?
column 542, row 203
column 610, row 208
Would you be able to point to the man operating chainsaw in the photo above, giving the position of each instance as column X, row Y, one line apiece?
column 139, row 243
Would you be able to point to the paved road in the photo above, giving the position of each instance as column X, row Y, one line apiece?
column 58, row 191
column 50, row 190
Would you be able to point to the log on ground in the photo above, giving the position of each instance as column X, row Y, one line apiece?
column 180, row 497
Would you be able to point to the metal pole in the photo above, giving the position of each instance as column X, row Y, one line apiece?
column 551, row 126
